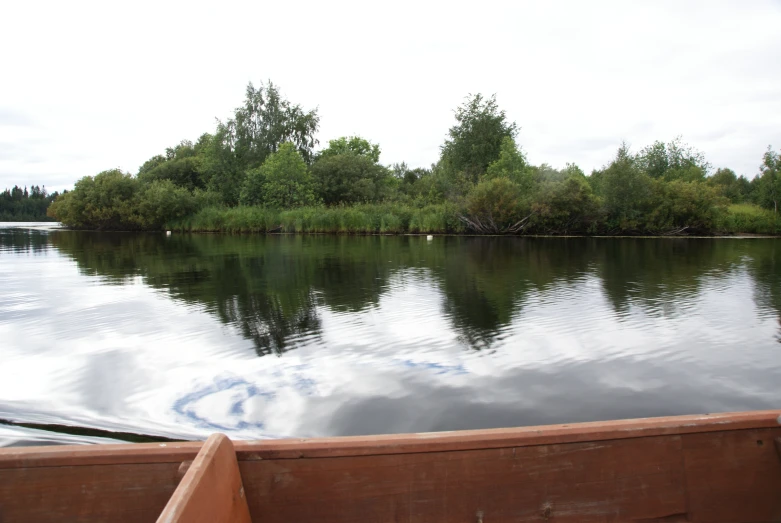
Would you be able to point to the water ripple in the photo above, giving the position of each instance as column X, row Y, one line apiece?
column 283, row 336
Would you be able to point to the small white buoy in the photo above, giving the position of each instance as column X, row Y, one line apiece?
column 429, row 237
column 168, row 233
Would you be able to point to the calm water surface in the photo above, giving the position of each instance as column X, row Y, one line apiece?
column 281, row 336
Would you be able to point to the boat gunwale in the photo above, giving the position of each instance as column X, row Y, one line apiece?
column 505, row 437
column 346, row 446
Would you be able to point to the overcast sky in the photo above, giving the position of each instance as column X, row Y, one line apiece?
column 92, row 86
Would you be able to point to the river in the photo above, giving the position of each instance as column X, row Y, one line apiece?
column 279, row 336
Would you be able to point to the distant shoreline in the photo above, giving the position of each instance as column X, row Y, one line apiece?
column 733, row 236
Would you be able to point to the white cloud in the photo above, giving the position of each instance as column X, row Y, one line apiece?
column 90, row 86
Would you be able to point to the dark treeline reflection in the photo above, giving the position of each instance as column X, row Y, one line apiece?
column 23, row 240
column 765, row 267
column 271, row 287
column 659, row 275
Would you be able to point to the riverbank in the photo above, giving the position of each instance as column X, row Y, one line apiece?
column 740, row 219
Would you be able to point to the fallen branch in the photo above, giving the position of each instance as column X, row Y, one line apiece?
column 676, row 231
column 490, row 227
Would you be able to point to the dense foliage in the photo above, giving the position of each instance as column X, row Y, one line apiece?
column 283, row 181
column 21, row 205
column 117, row 200
column 259, row 171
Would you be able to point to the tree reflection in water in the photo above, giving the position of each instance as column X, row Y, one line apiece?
column 271, row 287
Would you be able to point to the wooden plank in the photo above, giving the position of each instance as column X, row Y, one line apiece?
column 621, row 480
column 686, row 468
column 65, row 455
column 211, row 490
column 390, row 444
column 503, row 438
column 116, row 493
column 733, row 476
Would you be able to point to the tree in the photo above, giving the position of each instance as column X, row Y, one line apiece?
column 283, row 181
column 352, row 145
column 258, row 128
column 496, row 206
column 106, row 201
column 729, row 185
column 350, row 178
column 512, row 164
column 744, row 189
column 16, row 207
column 220, row 167
column 566, row 206
column 626, row 190
column 653, row 160
column 181, row 164
column 409, row 180
column 407, row 176
column 769, row 183
column 681, row 205
column 151, row 164
column 673, row 161
column 36, row 193
column 114, row 200
column 439, row 184
column 476, row 140
column 265, row 122
column 182, row 172
column 254, row 187
column 348, row 171
column 162, row 201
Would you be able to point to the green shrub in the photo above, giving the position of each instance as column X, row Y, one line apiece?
column 161, row 201
column 108, row 200
column 283, row 181
column 748, row 218
column 495, row 206
column 564, row 207
column 682, row 205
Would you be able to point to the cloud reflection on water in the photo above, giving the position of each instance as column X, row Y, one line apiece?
column 378, row 335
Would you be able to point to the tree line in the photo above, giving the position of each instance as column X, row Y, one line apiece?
column 260, row 171
column 22, row 205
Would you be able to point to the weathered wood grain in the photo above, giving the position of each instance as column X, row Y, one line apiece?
column 728, row 476
column 110, row 454
column 211, row 490
column 503, row 438
column 717, row 468
column 619, row 480
column 733, row 476
column 117, row 493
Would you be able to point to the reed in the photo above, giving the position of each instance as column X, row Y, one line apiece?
column 396, row 218
column 387, row 218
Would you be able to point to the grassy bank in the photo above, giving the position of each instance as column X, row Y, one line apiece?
column 358, row 219
column 405, row 219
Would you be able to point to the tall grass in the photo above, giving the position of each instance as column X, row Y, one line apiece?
column 359, row 219
column 222, row 219
column 396, row 218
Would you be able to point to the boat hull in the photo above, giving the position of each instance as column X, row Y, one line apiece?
column 715, row 468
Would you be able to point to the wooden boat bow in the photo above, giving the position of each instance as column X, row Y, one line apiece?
column 715, row 468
